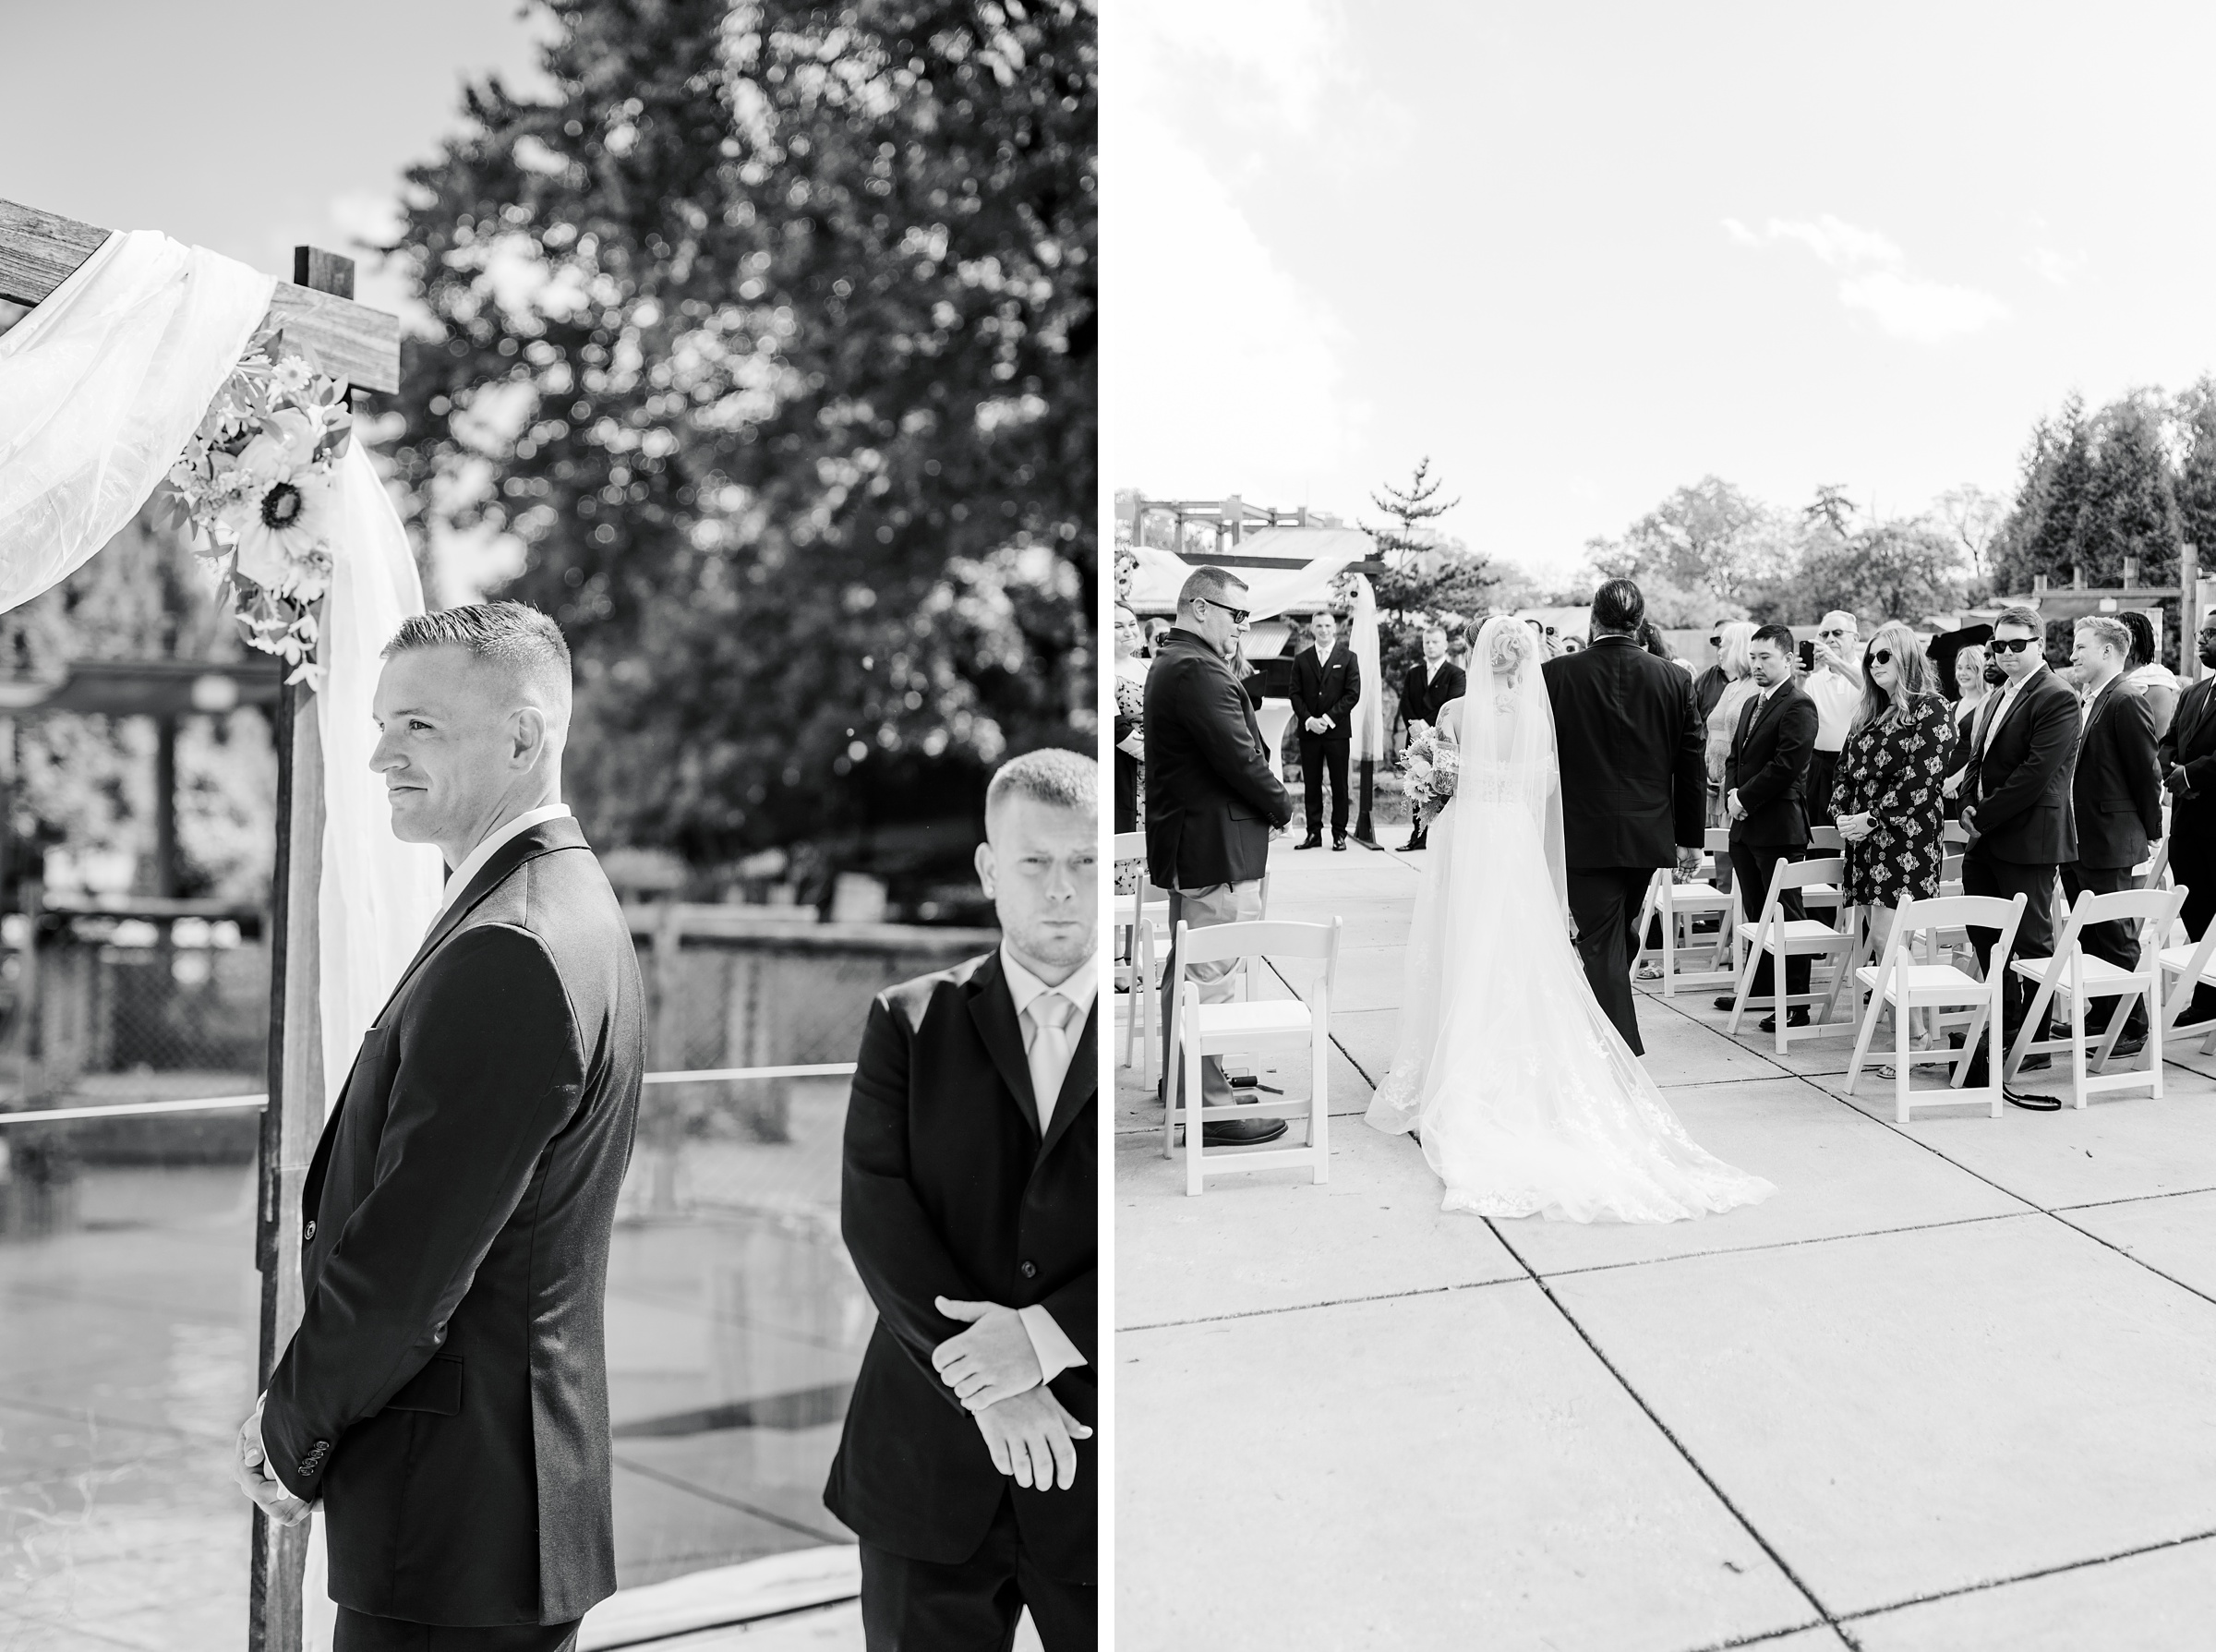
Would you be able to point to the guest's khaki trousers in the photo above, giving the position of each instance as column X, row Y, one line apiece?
column 1200, row 908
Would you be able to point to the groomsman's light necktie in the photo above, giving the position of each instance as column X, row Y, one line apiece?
column 1049, row 1017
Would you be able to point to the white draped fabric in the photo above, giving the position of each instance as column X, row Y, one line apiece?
column 99, row 387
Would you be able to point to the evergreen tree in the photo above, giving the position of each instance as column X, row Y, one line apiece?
column 2195, row 486
column 1410, row 508
column 2129, row 509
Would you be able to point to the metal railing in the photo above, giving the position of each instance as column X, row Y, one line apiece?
column 218, row 1103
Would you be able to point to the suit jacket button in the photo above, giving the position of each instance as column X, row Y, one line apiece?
column 1030, row 1269
column 308, row 1232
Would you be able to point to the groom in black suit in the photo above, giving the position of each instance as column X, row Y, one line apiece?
column 1634, row 781
column 966, row 1466
column 1766, row 788
column 446, row 1393
column 1326, row 686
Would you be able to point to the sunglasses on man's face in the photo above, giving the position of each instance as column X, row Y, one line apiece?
column 1238, row 615
column 2013, row 644
column 1716, row 641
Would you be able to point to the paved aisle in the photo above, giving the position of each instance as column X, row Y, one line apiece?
column 1948, row 1388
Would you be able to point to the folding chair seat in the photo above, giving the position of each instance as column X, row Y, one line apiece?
column 1773, row 936
column 2077, row 977
column 1899, row 982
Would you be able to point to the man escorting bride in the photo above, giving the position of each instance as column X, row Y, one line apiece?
column 1527, row 1096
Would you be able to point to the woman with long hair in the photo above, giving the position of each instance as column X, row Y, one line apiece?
column 1885, row 798
column 1723, row 722
column 2146, row 676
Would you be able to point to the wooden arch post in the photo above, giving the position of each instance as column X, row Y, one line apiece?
column 37, row 252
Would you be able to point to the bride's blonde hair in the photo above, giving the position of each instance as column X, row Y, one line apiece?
column 1514, row 647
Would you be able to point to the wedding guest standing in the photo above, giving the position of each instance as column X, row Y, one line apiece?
column 1972, row 684
column 1327, row 685
column 1428, row 685
column 2147, row 675
column 968, row 1202
column 1628, row 741
column 1130, row 698
column 1835, row 685
column 1723, row 716
column 2187, row 756
column 1709, row 685
column 2016, row 803
column 1212, row 796
column 1886, row 796
column 2115, row 791
column 1766, row 782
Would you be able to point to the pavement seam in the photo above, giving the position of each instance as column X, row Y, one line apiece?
column 1292, row 1308
column 2055, row 1570
column 1677, row 1445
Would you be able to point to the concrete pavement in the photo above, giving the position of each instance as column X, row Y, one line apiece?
column 1947, row 1388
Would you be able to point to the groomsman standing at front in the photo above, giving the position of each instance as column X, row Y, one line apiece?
column 1327, row 685
column 1428, row 685
column 1764, row 786
column 2116, row 795
column 2188, row 765
column 2015, row 805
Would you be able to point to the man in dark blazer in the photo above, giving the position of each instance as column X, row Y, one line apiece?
column 2116, row 795
column 1327, row 685
column 967, row 1465
column 2015, row 792
column 2187, row 757
column 1212, row 796
column 446, row 1393
column 1425, row 687
column 1766, row 782
column 1634, row 783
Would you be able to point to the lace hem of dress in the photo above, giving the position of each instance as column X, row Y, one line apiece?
column 1712, row 1200
column 1393, row 1107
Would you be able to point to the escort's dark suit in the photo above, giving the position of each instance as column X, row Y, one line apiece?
column 1422, row 698
column 446, row 1393
column 2190, row 744
column 2116, row 798
column 1635, row 785
column 1768, row 767
column 2019, row 773
column 1326, row 688
column 949, row 1191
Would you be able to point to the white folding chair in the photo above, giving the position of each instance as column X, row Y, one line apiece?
column 1775, row 936
column 2185, row 969
column 2073, row 975
column 1131, row 969
column 1904, row 984
column 1675, row 906
column 1199, row 1029
column 1824, row 841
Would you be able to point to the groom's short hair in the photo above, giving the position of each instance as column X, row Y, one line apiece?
column 1065, row 779
column 1618, row 606
column 511, row 634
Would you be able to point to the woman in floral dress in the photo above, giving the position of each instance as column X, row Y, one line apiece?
column 1887, row 797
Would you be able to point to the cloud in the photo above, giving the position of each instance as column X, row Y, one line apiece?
column 1225, row 366
column 1875, row 279
column 1273, row 59
column 2050, row 265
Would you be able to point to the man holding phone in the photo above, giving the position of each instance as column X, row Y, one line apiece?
column 1834, row 682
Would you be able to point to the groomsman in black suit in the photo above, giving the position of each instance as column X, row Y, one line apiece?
column 2016, row 803
column 1213, row 796
column 2116, row 794
column 2187, row 758
column 1765, row 794
column 1633, row 787
column 1327, row 685
column 1428, row 685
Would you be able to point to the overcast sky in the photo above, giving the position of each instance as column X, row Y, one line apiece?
column 1583, row 254
column 246, row 127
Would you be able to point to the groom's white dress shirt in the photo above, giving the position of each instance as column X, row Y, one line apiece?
column 475, row 860
column 1052, row 1017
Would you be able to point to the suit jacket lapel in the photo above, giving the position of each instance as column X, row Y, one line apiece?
column 994, row 1013
column 1079, row 1085
column 2193, row 713
column 563, row 832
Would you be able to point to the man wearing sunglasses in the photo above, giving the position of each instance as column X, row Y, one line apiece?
column 1835, row 685
column 2016, row 803
column 1213, row 796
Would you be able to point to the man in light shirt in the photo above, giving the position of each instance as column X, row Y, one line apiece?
column 1835, row 685
column 968, row 1204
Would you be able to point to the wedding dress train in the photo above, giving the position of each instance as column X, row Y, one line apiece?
column 1527, row 1099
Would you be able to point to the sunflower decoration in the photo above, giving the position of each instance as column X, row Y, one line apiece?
column 257, row 486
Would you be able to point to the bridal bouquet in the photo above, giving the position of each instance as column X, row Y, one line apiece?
column 1432, row 766
column 258, row 485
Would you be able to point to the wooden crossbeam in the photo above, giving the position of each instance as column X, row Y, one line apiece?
column 40, row 250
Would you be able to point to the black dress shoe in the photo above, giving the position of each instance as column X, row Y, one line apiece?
column 1340, row 842
column 1793, row 1018
column 2126, row 1047
column 1313, row 840
column 1725, row 1002
column 1413, row 844
column 2029, row 1102
column 2037, row 1062
column 1240, row 1132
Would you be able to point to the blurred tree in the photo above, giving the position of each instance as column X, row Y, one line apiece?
column 1883, row 571
column 1833, row 507
column 1972, row 517
column 767, row 344
column 1427, row 573
column 2055, row 472
column 2129, row 508
column 2195, row 486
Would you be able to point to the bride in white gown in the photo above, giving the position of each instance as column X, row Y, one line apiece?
column 1527, row 1098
